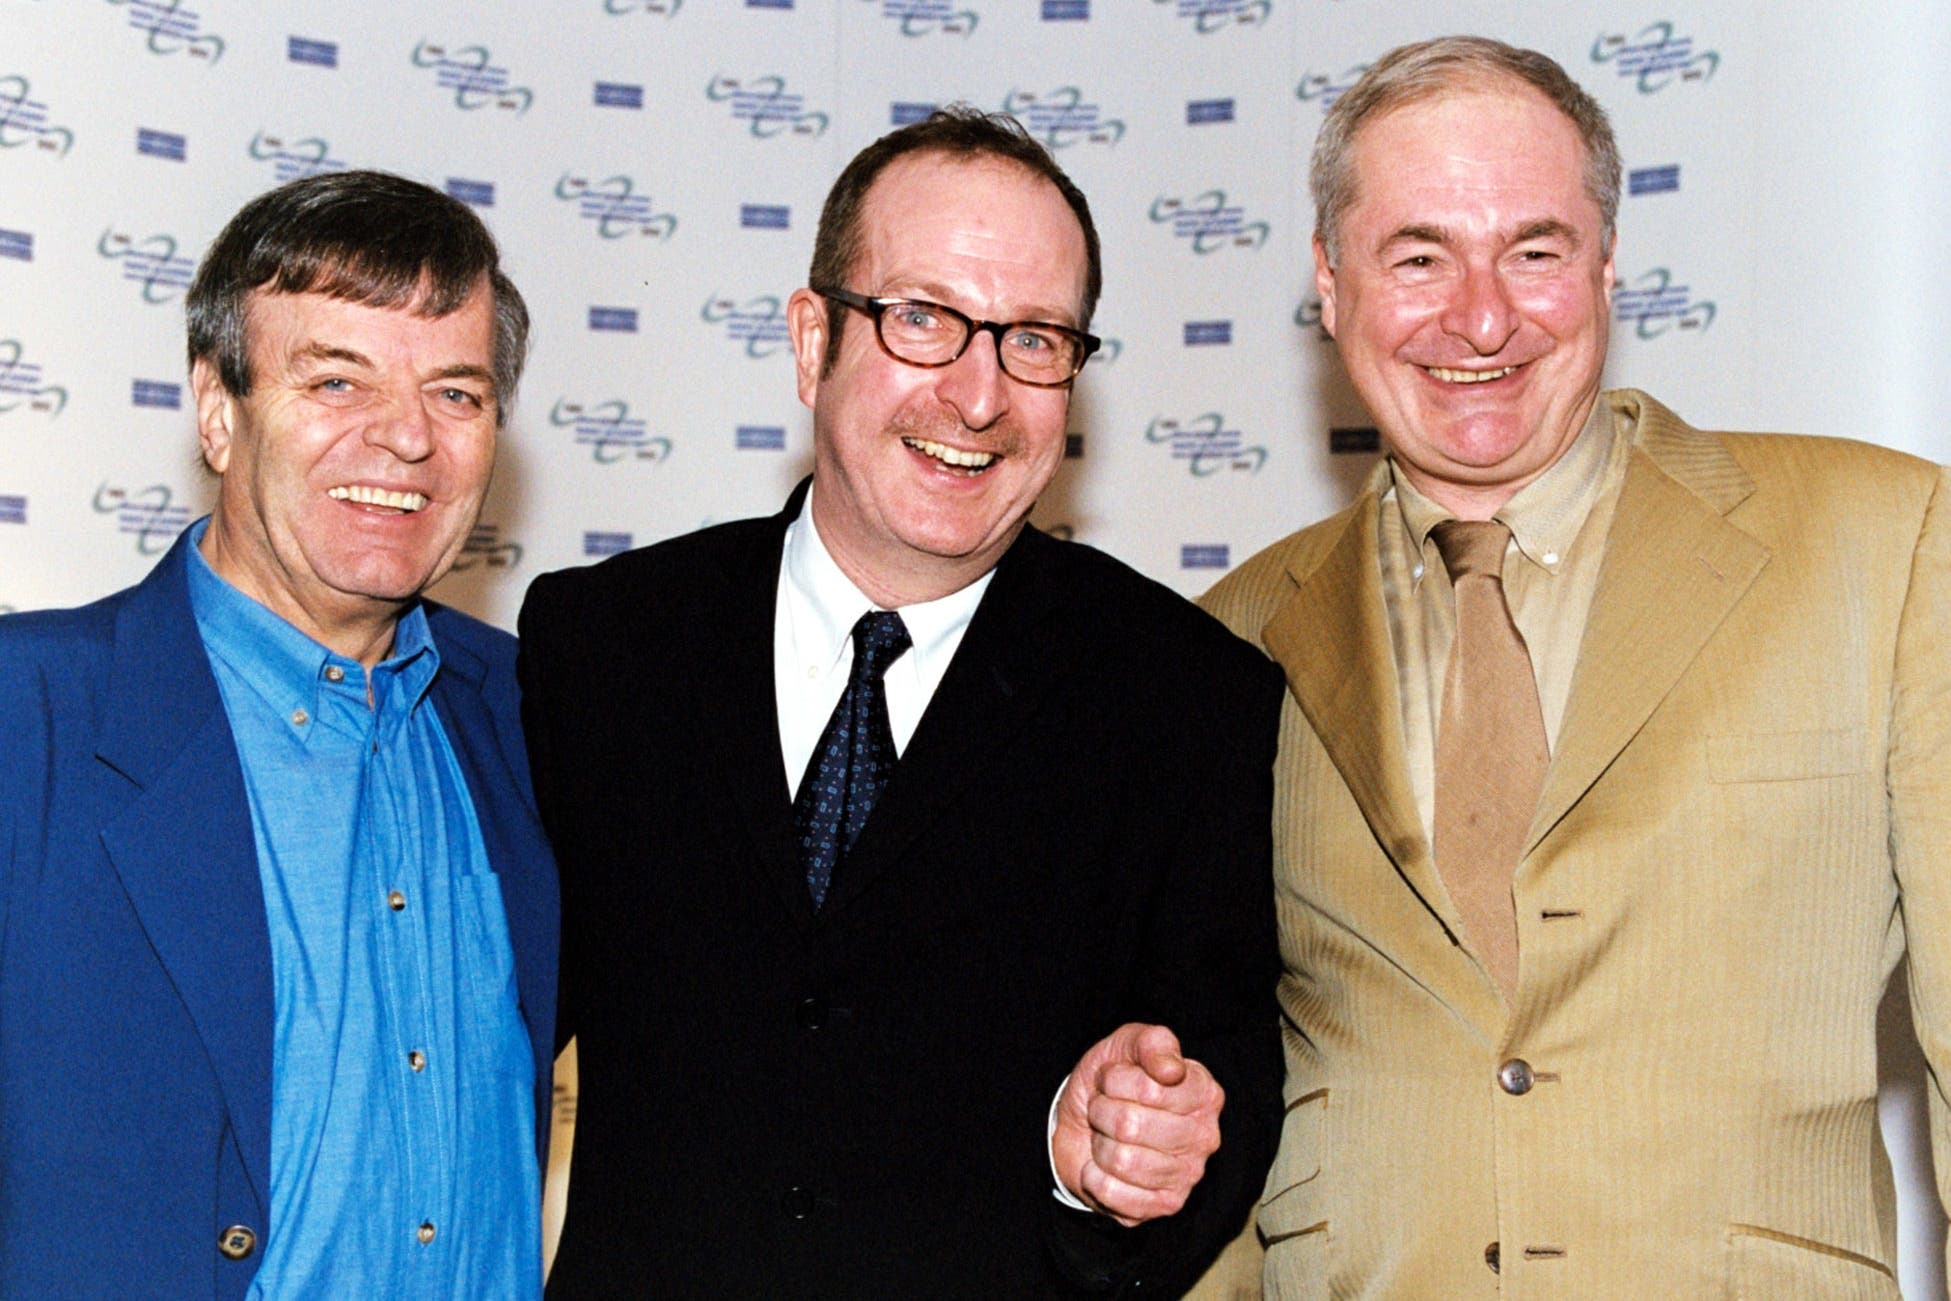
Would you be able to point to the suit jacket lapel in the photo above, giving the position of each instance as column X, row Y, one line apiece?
column 1674, row 567
column 990, row 693
column 183, row 846
column 1332, row 639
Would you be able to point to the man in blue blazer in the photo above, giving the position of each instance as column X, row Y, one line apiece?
column 277, row 919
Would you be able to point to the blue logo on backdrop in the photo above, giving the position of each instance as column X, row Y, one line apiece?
column 605, row 544
column 927, row 17
column 156, row 393
column 665, row 8
column 1206, row 445
column 1062, row 118
column 1199, row 334
column 1066, row 11
column 619, row 94
column 1210, row 15
column 13, row 510
column 1656, row 305
column 23, row 121
column 759, row 438
column 1208, row 222
column 1308, row 317
column 150, row 262
column 765, row 106
column 619, row 320
column 485, row 547
column 610, row 432
column 172, row 29
column 469, row 72
column 1654, row 180
column 476, row 194
column 17, row 244
column 765, row 216
column 292, row 159
column 757, row 324
column 149, row 515
column 1203, row 555
column 162, row 144
column 320, row 54
column 1327, row 87
column 21, row 383
column 1654, row 57
column 1201, row 112
column 615, row 207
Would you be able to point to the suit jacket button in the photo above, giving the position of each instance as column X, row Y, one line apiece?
column 798, row 1202
column 1491, row 1256
column 1515, row 1077
column 812, row 1013
column 236, row 1242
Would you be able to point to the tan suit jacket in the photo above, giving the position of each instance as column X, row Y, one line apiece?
column 1746, row 822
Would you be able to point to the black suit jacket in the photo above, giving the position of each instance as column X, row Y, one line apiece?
column 777, row 1102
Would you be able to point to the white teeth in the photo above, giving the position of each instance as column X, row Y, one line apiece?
column 973, row 462
column 1449, row 376
column 366, row 496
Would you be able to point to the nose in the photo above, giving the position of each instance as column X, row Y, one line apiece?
column 974, row 384
column 1480, row 311
column 405, row 429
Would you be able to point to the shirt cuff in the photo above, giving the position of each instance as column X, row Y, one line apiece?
column 1057, row 1188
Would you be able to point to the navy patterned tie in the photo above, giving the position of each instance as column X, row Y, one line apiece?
column 856, row 753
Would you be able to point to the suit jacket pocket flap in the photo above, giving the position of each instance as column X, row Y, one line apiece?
column 1292, row 1203
column 1787, row 756
column 1768, row 1265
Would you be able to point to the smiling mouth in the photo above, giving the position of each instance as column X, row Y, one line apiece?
column 969, row 463
column 361, row 495
column 1449, row 376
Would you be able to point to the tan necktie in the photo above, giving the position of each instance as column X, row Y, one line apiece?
column 1491, row 750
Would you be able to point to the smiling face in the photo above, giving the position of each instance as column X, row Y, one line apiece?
column 356, row 467
column 923, row 477
column 1473, row 292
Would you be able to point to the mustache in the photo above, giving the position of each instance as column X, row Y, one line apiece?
column 1004, row 437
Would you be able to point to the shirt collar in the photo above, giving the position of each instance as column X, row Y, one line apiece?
column 288, row 670
column 1546, row 514
column 825, row 604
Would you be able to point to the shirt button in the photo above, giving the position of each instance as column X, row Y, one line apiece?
column 299, row 718
column 425, row 1232
column 333, row 673
column 1491, row 1258
column 812, row 1013
column 798, row 1202
column 395, row 900
column 417, row 1060
column 1515, row 1077
column 236, row 1242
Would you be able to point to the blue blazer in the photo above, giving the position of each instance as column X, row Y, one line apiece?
column 135, row 962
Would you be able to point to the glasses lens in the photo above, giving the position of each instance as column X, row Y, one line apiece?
column 922, row 333
column 1039, row 353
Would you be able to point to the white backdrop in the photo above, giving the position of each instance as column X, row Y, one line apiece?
column 654, row 169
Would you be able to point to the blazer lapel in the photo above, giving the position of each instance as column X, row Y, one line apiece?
column 184, row 848
column 1674, row 567
column 991, row 691
column 1332, row 639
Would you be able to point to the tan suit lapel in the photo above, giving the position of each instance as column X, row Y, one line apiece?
column 1332, row 639
column 1674, row 567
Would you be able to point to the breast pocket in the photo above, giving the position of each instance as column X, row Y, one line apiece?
column 1291, row 1217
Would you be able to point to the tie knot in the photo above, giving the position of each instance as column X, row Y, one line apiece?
column 1472, row 546
column 879, row 639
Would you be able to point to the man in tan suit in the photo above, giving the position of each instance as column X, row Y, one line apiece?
column 1636, row 1057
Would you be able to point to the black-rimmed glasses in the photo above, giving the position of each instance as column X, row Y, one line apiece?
column 928, row 334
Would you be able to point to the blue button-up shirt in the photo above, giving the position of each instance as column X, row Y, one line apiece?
column 402, row 1105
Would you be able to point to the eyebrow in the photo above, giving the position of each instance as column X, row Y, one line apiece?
column 933, row 292
column 1538, row 228
column 332, row 352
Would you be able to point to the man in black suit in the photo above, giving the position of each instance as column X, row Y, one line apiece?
column 979, row 1045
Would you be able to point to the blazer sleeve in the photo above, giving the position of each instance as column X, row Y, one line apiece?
column 1210, row 976
column 537, row 662
column 1919, row 789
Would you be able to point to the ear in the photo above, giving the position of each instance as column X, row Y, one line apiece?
column 1324, row 284
column 806, row 322
column 216, row 415
column 1606, row 273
